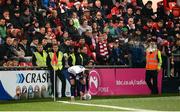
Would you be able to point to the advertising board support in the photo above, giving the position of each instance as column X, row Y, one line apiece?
column 54, row 85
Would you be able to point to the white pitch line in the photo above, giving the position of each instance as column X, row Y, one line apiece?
column 104, row 106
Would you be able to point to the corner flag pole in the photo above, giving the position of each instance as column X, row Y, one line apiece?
column 54, row 59
column 54, row 86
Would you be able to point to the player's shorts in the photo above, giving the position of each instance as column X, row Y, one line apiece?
column 77, row 77
column 72, row 76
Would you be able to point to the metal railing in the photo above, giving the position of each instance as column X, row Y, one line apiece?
column 46, row 68
column 22, row 68
column 170, row 66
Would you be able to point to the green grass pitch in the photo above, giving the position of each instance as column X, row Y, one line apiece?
column 155, row 103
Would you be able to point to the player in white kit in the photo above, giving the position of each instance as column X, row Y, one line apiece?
column 78, row 77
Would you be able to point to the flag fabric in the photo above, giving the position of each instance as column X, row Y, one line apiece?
column 54, row 59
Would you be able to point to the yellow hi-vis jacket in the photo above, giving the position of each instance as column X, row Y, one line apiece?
column 41, row 60
column 74, row 58
column 59, row 65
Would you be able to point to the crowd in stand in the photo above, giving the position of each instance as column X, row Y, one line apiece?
column 106, row 32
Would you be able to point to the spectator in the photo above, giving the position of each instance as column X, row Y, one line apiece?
column 176, row 59
column 17, row 52
column 65, row 46
column 52, row 4
column 6, row 16
column 9, row 6
column 82, row 42
column 86, row 59
column 33, row 45
column 23, row 44
column 1, row 6
column 148, row 28
column 111, row 31
column 84, row 27
column 26, row 19
column 16, row 19
column 3, row 30
column 77, row 8
column 45, row 4
column 58, row 32
column 50, row 35
column 75, row 20
column 99, row 20
column 130, row 25
column 63, row 37
column 39, row 57
column 116, row 56
column 73, row 31
column 95, row 27
column 5, row 49
column 119, row 27
column 63, row 14
column 137, row 15
column 116, row 11
column 137, row 54
column 129, row 14
column 54, row 19
column 147, row 11
column 102, row 50
column 45, row 44
column 99, row 8
column 40, row 35
column 75, row 57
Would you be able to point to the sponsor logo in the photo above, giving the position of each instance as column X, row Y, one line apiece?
column 20, row 78
column 130, row 82
column 94, row 82
column 32, row 78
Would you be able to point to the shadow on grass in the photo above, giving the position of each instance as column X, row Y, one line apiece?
column 31, row 100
